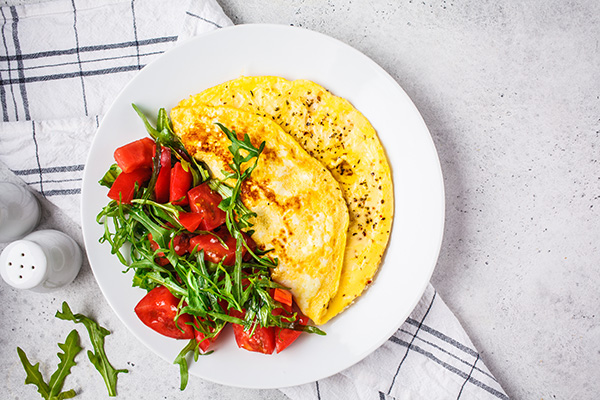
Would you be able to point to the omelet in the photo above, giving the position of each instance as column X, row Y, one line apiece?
column 305, row 228
column 336, row 134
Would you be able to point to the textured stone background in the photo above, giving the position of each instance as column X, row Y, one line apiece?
column 510, row 91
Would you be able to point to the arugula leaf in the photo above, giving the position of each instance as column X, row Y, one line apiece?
column 182, row 361
column 34, row 377
column 98, row 358
column 237, row 217
column 109, row 177
column 163, row 135
column 67, row 360
column 52, row 390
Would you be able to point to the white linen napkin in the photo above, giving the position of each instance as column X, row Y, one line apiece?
column 61, row 65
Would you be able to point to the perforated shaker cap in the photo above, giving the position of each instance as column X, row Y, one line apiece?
column 23, row 264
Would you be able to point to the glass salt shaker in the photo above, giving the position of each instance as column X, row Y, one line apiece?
column 19, row 212
column 43, row 261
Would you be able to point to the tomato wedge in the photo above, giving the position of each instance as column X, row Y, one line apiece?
column 181, row 181
column 283, row 296
column 190, row 221
column 261, row 341
column 205, row 201
column 214, row 251
column 135, row 155
column 180, row 243
column 160, row 259
column 163, row 181
column 123, row 188
column 283, row 336
column 251, row 244
column 158, row 309
column 204, row 343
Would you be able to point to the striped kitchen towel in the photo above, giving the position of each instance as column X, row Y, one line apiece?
column 61, row 65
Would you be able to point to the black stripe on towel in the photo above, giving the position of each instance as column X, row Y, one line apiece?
column 450, row 368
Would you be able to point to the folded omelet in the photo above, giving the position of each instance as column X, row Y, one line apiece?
column 301, row 213
column 332, row 131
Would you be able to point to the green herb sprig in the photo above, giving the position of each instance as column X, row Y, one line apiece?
column 98, row 357
column 164, row 136
column 53, row 389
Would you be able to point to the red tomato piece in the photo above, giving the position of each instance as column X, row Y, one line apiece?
column 181, row 181
column 204, row 343
column 180, row 243
column 283, row 336
column 160, row 259
column 251, row 244
column 261, row 341
column 190, row 221
column 123, row 187
column 158, row 309
column 205, row 201
column 283, row 296
column 161, row 189
column 214, row 251
column 135, row 155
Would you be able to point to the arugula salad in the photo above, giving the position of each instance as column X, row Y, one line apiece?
column 188, row 239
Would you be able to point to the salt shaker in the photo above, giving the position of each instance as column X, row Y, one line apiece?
column 42, row 261
column 19, row 212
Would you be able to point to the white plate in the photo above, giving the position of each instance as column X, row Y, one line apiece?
column 291, row 53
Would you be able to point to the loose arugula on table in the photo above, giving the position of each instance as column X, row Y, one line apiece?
column 201, row 286
column 98, row 357
column 52, row 390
